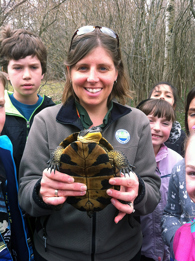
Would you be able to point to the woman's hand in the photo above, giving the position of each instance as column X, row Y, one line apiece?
column 56, row 187
column 129, row 187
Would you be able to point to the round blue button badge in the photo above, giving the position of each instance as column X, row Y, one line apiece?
column 122, row 136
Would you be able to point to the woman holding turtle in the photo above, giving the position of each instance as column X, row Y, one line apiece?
column 95, row 78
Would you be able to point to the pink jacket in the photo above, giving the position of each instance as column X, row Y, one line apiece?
column 184, row 242
column 153, row 245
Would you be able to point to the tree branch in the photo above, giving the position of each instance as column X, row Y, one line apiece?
column 192, row 8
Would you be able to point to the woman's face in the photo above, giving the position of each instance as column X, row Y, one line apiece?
column 191, row 116
column 93, row 78
column 190, row 168
column 163, row 92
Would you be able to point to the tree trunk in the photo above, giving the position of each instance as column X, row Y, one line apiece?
column 169, row 24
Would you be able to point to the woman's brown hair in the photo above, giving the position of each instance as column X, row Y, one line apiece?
column 83, row 45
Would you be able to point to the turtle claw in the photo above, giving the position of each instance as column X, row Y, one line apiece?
column 127, row 175
column 53, row 166
column 54, row 161
column 127, row 171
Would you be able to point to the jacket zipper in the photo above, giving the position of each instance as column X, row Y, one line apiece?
column 45, row 232
column 36, row 109
column 93, row 237
column 27, row 127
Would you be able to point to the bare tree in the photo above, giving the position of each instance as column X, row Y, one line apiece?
column 7, row 8
column 169, row 24
column 157, row 37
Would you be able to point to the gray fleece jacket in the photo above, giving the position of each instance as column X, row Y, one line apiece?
column 69, row 234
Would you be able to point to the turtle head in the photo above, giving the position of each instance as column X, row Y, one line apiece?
column 90, row 135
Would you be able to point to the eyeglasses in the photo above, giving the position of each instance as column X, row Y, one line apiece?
column 90, row 28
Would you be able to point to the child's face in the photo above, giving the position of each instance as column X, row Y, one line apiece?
column 163, row 92
column 160, row 130
column 2, row 108
column 25, row 76
column 190, row 168
column 191, row 116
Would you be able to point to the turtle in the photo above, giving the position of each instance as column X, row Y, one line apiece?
column 90, row 159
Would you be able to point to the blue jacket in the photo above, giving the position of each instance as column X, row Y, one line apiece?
column 21, row 244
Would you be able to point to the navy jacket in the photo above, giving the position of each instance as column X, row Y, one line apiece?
column 17, row 127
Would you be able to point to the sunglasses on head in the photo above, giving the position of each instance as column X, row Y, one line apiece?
column 90, row 28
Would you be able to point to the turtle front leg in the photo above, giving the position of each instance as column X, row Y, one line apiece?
column 54, row 162
column 121, row 162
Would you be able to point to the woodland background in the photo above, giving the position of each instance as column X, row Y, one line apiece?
column 157, row 37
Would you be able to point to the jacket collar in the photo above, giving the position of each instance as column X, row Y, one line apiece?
column 162, row 153
column 68, row 115
column 9, row 107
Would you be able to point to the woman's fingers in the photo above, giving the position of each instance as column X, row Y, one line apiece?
column 56, row 187
column 124, row 209
column 75, row 190
column 129, row 187
column 126, row 196
column 60, row 181
column 62, row 196
column 129, row 182
column 127, row 208
column 54, row 200
column 119, row 217
column 58, row 176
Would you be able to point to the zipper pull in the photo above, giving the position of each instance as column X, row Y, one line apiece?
column 45, row 242
column 45, row 233
column 28, row 127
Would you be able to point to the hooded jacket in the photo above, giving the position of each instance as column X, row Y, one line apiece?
column 184, row 242
column 153, row 245
column 21, row 247
column 69, row 234
column 17, row 127
column 179, row 208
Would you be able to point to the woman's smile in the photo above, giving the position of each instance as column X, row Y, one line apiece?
column 93, row 78
column 93, row 90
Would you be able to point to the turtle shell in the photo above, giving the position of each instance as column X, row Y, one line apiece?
column 88, row 163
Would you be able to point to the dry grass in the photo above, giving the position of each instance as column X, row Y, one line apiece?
column 53, row 89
